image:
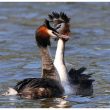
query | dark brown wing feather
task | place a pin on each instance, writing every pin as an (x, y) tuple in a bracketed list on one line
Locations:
[(77, 77), (33, 88)]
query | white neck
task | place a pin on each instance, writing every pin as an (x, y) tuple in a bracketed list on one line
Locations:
[(60, 66)]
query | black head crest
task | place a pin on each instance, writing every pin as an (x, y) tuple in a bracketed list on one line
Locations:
[(64, 17), (47, 24), (56, 15), (60, 16)]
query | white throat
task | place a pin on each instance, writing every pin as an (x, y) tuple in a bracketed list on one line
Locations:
[(60, 66)]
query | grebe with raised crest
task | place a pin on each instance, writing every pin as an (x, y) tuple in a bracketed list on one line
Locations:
[(73, 81)]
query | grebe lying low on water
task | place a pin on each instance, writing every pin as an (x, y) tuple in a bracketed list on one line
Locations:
[(73, 81), (49, 85)]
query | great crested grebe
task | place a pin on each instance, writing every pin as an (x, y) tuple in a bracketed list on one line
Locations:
[(49, 85), (73, 81)]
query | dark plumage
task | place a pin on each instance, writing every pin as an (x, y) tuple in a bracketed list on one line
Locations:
[(33, 88), (59, 16), (77, 77), (82, 81)]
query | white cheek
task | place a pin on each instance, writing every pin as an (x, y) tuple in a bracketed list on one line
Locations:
[(61, 27)]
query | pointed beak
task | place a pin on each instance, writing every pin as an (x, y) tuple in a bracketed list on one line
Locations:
[(65, 37)]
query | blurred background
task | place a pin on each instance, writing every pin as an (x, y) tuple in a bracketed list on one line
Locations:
[(89, 46)]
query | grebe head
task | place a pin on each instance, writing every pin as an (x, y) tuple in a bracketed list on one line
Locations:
[(44, 33), (61, 23)]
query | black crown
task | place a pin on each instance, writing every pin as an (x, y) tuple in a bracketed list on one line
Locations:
[(60, 16)]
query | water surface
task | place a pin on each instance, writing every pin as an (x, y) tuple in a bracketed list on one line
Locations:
[(89, 46)]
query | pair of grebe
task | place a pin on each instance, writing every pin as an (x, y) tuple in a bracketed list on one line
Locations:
[(56, 80)]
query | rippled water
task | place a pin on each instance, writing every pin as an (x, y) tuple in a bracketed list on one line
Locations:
[(89, 46)]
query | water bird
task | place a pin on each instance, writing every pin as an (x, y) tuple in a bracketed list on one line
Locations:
[(49, 84), (73, 81)]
